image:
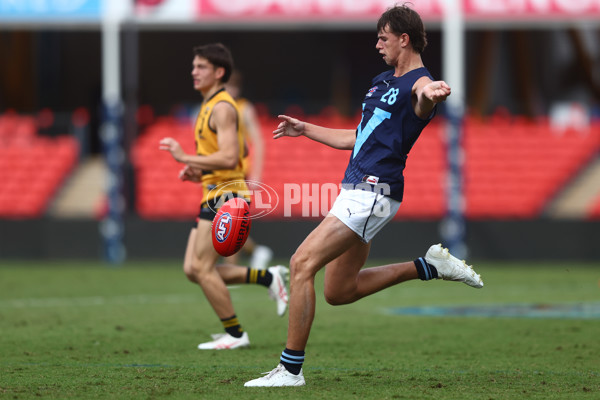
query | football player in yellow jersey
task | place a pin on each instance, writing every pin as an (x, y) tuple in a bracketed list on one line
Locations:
[(217, 164), (260, 255)]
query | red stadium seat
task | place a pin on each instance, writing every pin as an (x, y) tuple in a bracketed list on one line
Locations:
[(32, 167), (522, 166)]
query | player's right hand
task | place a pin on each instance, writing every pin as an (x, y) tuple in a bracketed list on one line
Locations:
[(288, 127), (172, 146)]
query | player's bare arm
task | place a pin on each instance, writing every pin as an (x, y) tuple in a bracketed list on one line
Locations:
[(342, 139), (428, 93), (224, 122)]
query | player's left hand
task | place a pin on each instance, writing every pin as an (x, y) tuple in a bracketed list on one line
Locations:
[(190, 174), (437, 91), (289, 126), (172, 146)]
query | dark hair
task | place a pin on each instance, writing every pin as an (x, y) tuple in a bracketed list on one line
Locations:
[(403, 19), (218, 55)]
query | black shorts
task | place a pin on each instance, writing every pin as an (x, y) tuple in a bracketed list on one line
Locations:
[(208, 210)]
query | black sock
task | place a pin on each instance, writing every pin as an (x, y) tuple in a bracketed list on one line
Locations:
[(292, 360), (259, 276), (233, 327), (425, 270)]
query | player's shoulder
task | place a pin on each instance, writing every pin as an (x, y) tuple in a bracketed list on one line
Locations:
[(421, 79), (420, 73), (224, 111), (223, 102)]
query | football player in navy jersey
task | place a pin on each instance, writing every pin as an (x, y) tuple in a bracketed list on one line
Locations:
[(397, 106)]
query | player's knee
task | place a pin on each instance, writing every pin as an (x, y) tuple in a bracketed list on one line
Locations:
[(300, 267), (191, 277), (334, 301), (189, 273), (337, 298), (295, 264), (198, 272)]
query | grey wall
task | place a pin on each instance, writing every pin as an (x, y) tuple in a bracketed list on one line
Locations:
[(489, 240)]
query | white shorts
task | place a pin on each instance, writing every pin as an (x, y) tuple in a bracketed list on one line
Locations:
[(364, 212)]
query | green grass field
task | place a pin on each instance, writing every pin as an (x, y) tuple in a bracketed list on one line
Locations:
[(85, 330)]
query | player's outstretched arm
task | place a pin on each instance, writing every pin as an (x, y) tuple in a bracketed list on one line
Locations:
[(429, 93), (342, 139)]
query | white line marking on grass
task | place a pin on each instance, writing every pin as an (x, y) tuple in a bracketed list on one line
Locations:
[(43, 302), (98, 301)]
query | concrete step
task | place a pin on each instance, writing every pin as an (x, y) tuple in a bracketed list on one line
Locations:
[(83, 193), (574, 201)]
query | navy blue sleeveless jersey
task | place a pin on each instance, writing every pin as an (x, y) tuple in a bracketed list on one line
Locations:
[(387, 131)]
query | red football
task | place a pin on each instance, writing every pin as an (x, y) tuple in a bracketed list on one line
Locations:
[(231, 227)]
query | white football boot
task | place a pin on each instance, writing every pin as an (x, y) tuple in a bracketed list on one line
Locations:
[(277, 289), (224, 341), (451, 268), (277, 378)]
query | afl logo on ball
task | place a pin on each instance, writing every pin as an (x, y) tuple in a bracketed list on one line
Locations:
[(223, 227)]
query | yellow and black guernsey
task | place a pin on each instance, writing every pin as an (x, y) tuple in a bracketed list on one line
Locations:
[(216, 183)]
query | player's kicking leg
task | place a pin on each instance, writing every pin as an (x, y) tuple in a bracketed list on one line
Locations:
[(324, 244), (346, 282)]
